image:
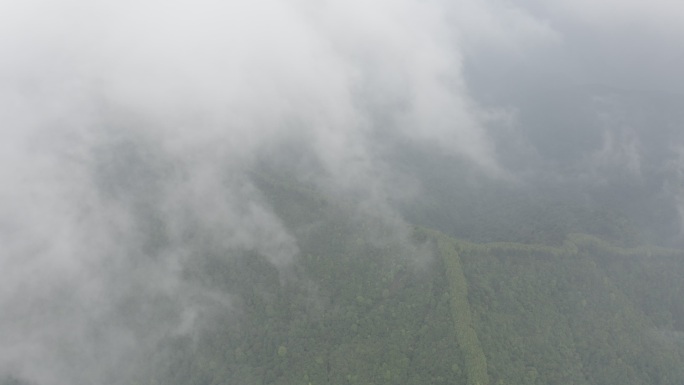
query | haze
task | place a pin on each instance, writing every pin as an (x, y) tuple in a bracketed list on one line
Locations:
[(133, 136)]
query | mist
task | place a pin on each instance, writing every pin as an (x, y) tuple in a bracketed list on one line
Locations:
[(134, 136)]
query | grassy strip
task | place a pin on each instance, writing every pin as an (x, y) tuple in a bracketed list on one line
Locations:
[(475, 361)]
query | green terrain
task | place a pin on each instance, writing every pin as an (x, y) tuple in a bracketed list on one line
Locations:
[(363, 305)]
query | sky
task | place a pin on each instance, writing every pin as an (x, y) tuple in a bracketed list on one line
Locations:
[(128, 131)]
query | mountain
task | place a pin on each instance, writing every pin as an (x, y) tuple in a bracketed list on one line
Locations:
[(358, 308)]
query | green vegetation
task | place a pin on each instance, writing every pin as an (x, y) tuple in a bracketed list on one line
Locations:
[(563, 316), (355, 308), (475, 361)]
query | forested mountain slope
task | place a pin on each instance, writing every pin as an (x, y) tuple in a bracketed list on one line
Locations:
[(586, 313), (357, 308)]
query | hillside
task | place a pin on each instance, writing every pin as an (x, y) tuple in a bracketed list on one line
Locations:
[(431, 309)]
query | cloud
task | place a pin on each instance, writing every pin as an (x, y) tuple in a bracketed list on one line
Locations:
[(621, 151), (130, 128), (662, 16)]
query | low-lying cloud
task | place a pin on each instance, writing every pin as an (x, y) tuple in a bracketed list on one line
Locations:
[(130, 128), (129, 131)]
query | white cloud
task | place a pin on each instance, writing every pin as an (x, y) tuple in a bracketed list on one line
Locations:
[(197, 90)]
